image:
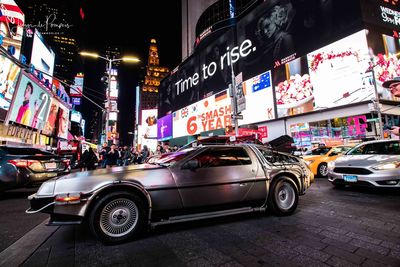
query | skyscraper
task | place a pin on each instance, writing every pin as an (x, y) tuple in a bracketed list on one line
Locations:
[(154, 74)]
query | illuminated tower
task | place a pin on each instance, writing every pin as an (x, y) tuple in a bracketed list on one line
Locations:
[(154, 74)]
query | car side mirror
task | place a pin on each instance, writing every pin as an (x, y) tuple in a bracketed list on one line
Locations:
[(191, 164)]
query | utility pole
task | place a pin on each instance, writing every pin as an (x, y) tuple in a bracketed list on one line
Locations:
[(377, 102)]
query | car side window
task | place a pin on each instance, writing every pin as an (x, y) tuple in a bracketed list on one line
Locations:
[(275, 157), (219, 157)]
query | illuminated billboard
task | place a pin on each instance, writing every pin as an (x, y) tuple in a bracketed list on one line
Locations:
[(76, 90), (259, 99), (164, 127), (31, 103), (42, 56), (63, 122), (52, 118), (149, 123), (9, 73), (211, 113), (11, 27)]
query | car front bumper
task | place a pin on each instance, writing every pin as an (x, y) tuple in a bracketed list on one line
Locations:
[(386, 179), (60, 214)]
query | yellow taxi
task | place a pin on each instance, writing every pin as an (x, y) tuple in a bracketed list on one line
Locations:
[(318, 158)]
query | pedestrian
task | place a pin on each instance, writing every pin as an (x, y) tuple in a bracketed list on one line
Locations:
[(111, 157), (103, 154), (394, 87), (126, 156), (144, 154), (88, 160)]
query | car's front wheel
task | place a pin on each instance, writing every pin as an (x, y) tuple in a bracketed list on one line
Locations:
[(118, 217), (283, 197), (323, 169)]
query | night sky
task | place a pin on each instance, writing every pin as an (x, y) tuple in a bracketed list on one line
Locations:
[(130, 29)]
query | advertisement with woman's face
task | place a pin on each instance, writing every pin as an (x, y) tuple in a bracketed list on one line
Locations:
[(63, 121), (50, 125), (31, 103)]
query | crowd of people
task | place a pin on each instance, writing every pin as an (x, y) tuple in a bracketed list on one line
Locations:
[(110, 156)]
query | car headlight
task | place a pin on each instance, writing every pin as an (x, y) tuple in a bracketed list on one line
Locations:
[(387, 166), (47, 188), (331, 165)]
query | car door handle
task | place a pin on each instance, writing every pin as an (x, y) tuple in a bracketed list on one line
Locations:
[(242, 184)]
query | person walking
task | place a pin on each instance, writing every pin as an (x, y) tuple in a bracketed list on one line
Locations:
[(88, 160)]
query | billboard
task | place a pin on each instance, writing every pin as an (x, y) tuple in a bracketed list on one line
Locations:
[(52, 118), (63, 122), (9, 73), (42, 56), (259, 99), (76, 116), (164, 128), (271, 35), (339, 70), (211, 113), (31, 103), (11, 26), (149, 123), (77, 89)]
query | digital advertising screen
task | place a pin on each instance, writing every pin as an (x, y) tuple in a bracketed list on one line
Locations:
[(76, 90), (42, 56), (259, 99), (340, 71), (149, 123), (31, 103), (9, 73), (50, 125), (63, 122), (164, 127), (385, 53), (211, 113), (12, 26), (76, 116)]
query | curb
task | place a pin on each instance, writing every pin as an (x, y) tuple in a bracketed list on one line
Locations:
[(23, 248)]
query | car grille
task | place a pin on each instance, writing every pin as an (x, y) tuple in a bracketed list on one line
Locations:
[(351, 170)]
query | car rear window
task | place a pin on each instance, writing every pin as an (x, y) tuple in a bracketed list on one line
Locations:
[(24, 151)]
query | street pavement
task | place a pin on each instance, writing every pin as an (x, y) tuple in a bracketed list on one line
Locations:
[(331, 227)]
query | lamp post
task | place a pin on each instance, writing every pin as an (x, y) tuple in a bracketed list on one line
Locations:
[(109, 62)]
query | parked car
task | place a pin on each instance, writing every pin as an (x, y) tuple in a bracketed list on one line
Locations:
[(372, 163), (27, 166), (318, 158), (194, 183)]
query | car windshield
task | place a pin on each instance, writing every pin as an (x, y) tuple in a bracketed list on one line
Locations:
[(319, 151), (173, 157), (378, 148), (24, 151)]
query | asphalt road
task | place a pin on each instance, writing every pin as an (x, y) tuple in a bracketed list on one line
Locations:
[(14, 222), (331, 227)]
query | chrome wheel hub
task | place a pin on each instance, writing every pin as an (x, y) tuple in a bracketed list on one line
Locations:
[(119, 217), (286, 196)]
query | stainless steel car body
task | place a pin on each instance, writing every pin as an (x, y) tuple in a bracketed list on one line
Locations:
[(366, 169), (175, 190)]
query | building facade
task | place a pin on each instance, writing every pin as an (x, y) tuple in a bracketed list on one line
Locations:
[(303, 69)]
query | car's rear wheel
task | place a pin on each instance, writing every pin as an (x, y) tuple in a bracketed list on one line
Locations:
[(283, 197), (323, 169), (118, 217)]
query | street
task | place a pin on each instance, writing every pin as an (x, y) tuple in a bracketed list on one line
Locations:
[(332, 227)]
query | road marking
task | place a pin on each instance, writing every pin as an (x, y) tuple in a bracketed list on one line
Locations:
[(23, 248)]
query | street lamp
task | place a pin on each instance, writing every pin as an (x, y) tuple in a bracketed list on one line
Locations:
[(110, 61)]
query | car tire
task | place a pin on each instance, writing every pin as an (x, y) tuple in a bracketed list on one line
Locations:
[(322, 170), (283, 197), (118, 217)]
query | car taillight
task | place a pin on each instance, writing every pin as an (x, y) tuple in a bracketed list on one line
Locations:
[(23, 163), (66, 162)]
